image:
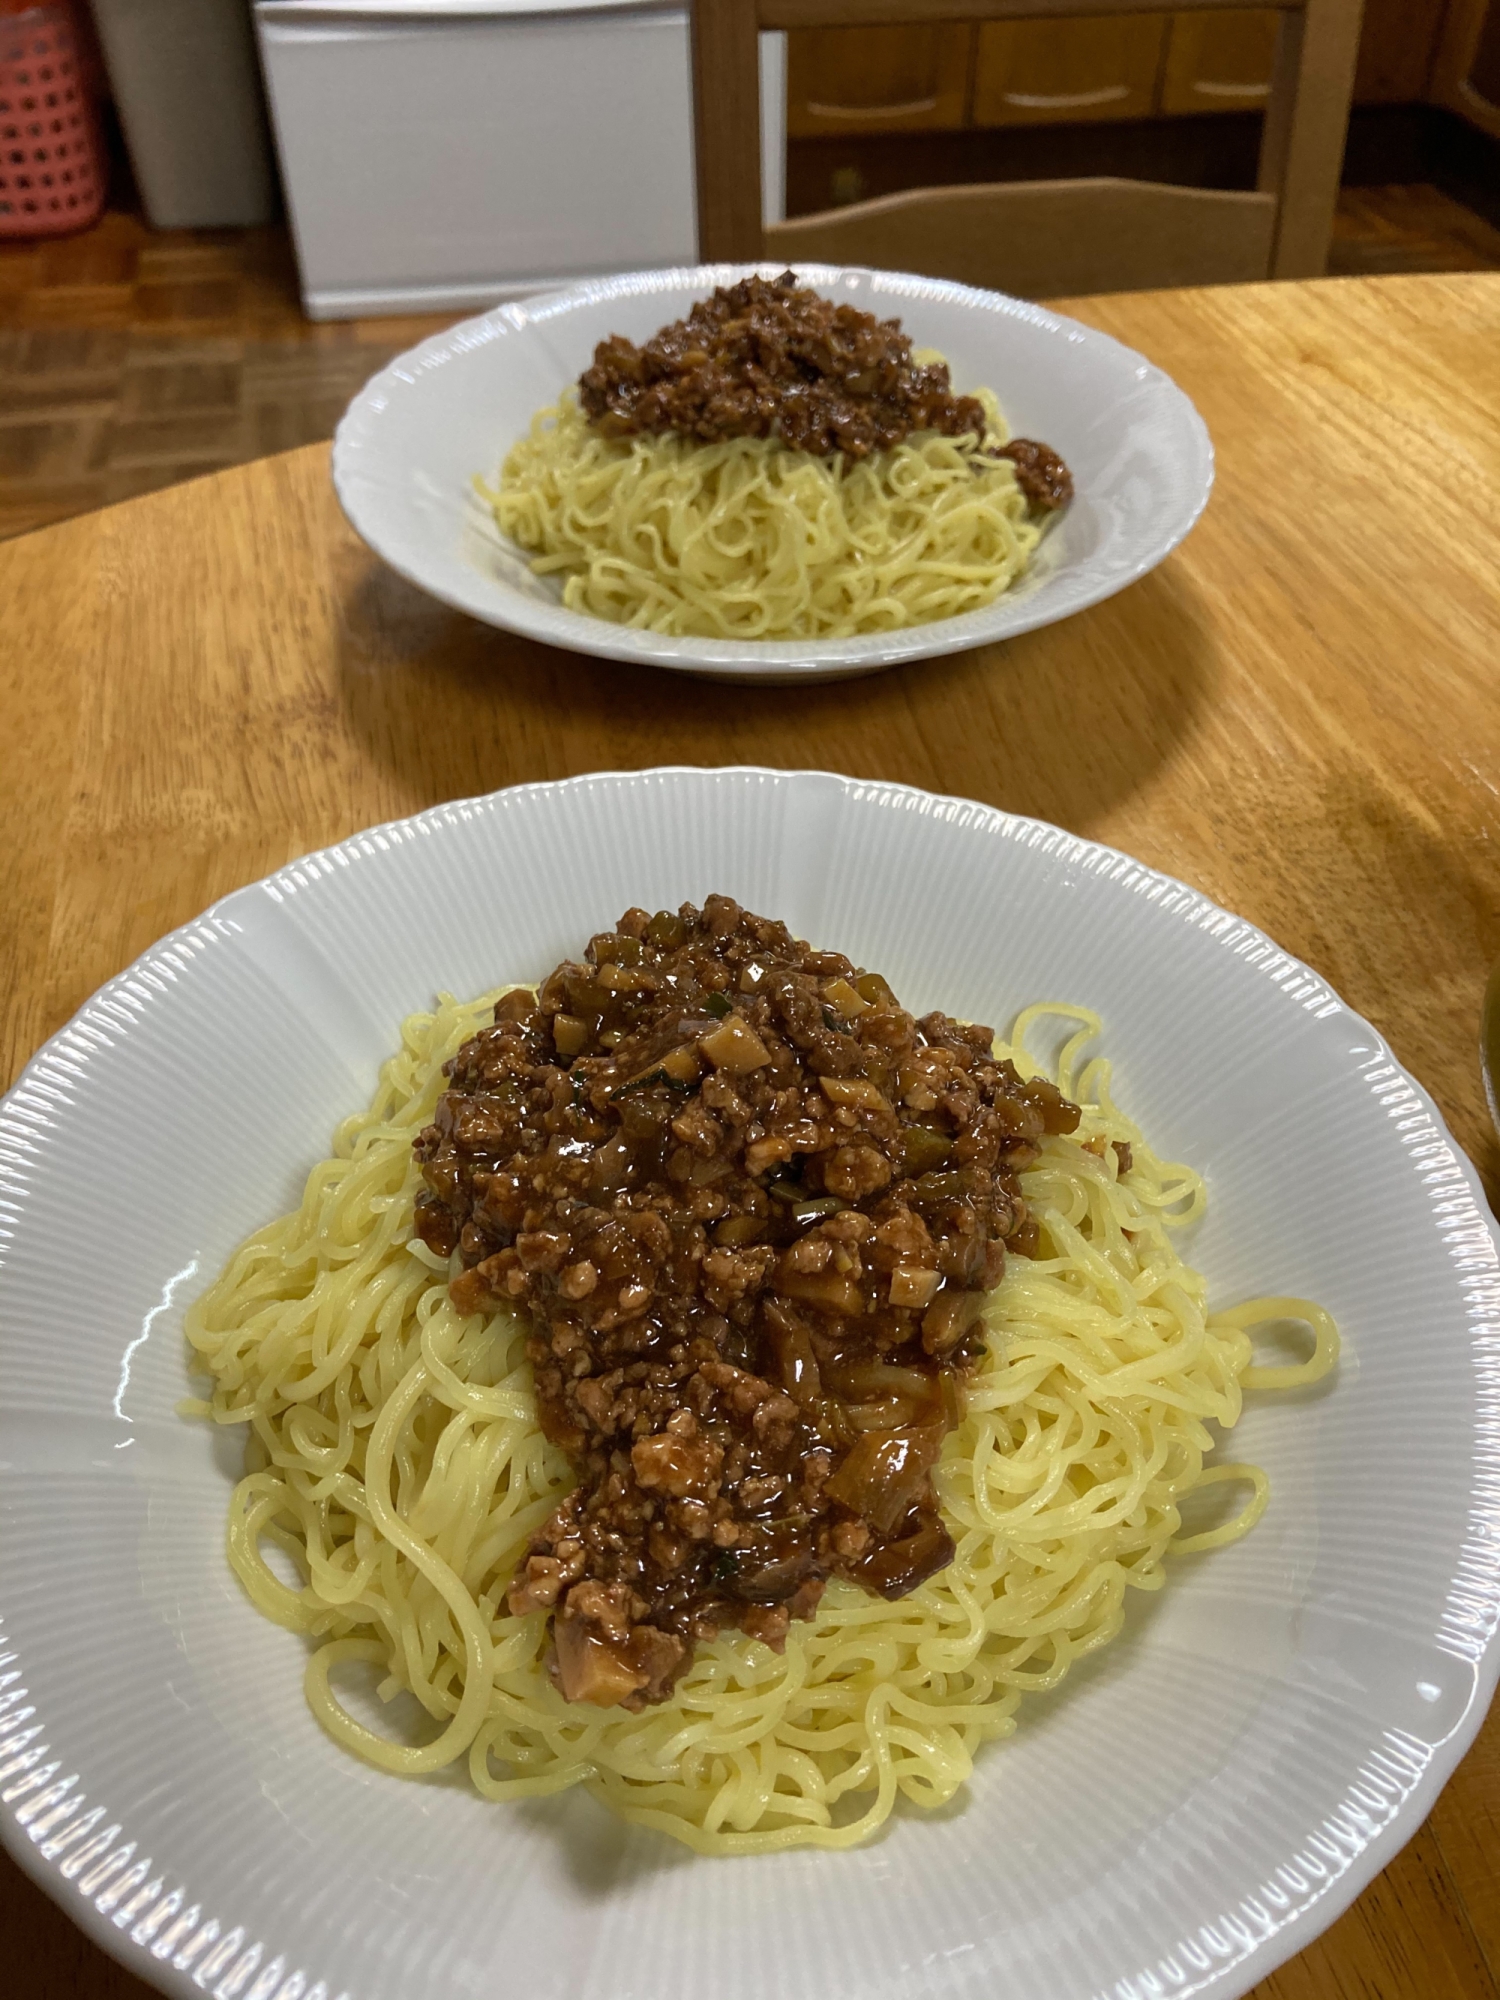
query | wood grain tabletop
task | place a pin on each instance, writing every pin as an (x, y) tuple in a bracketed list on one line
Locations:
[(1298, 713)]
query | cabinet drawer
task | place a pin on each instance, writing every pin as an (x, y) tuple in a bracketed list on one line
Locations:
[(1061, 72), (910, 79), (1219, 62)]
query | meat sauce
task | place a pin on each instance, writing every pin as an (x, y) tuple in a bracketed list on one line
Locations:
[(753, 1207), (768, 357)]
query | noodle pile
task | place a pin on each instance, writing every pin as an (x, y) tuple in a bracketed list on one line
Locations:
[(395, 1458), (745, 539)]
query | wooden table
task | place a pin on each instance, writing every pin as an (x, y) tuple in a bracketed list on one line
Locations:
[(1299, 713)]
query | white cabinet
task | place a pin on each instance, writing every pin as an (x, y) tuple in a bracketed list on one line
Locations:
[(443, 156)]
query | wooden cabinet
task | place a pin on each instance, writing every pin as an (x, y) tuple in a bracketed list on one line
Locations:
[(1057, 72), (1219, 62), (1466, 73), (909, 79), (939, 78)]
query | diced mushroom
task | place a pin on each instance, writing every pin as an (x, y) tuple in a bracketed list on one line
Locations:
[(913, 1286), (735, 1046), (591, 1667), (739, 1230), (830, 1291), (885, 1474), (949, 1318), (839, 993), (855, 1090), (570, 1034), (899, 1567), (1058, 1115)]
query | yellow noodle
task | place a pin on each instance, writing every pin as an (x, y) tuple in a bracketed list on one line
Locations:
[(746, 539), (394, 1456), (1325, 1341)]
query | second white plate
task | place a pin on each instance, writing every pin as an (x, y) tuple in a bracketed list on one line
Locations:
[(409, 446)]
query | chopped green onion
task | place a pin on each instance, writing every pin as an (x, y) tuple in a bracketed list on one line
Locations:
[(814, 1211), (666, 929), (924, 1147), (649, 1080)]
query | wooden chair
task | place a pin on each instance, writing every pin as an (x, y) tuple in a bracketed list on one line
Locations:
[(1036, 238)]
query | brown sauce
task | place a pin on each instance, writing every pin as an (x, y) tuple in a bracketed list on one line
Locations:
[(753, 1207), (1040, 474), (769, 358)]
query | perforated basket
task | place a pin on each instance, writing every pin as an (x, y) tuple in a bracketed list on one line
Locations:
[(51, 165)]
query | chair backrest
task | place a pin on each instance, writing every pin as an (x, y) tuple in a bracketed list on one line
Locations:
[(1037, 237)]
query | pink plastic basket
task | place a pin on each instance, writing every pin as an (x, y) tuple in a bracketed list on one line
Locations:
[(51, 167)]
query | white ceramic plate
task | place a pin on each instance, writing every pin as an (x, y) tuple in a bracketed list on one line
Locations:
[(1193, 1805), (409, 445)]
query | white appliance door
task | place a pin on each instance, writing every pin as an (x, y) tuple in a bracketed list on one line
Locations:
[(436, 159)]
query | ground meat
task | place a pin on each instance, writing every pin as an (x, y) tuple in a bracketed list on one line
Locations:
[(771, 358), (753, 1207), (1040, 473)]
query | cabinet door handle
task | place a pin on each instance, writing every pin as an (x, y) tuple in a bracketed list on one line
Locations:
[(911, 110), (1070, 101), (1232, 89)]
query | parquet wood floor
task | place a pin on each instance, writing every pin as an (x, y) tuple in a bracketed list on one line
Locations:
[(1379, 231), (130, 360)]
